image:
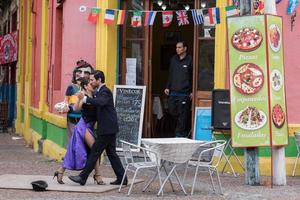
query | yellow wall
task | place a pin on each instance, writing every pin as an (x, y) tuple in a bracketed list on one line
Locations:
[(106, 45), (220, 48)]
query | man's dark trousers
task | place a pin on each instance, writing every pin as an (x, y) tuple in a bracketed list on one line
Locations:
[(108, 143), (180, 109)]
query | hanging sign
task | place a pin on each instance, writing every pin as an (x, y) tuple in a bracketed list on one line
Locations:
[(257, 81), (9, 48)]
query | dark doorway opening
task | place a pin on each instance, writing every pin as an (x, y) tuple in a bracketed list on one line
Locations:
[(163, 47)]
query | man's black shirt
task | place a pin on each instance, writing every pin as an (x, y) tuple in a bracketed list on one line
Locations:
[(180, 74)]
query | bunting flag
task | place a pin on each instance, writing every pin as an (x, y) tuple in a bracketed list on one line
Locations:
[(94, 14), (136, 20), (121, 17), (258, 7), (231, 11), (214, 16), (292, 6), (167, 17), (198, 17), (182, 17), (109, 17), (150, 17)]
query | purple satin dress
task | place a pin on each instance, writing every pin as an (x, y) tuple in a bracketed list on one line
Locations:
[(76, 155)]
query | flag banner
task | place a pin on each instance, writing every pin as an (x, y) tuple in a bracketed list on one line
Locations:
[(258, 7), (292, 6), (136, 20), (198, 17), (167, 17), (214, 16), (150, 17), (231, 11), (94, 14), (109, 17), (182, 17), (236, 4), (121, 17)]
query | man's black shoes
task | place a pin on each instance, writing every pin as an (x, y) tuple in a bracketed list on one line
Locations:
[(118, 182), (77, 179)]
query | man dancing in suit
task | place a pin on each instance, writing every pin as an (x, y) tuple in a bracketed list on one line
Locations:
[(107, 129)]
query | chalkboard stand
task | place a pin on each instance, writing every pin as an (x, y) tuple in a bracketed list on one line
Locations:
[(129, 103)]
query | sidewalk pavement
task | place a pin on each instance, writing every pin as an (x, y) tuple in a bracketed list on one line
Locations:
[(16, 158)]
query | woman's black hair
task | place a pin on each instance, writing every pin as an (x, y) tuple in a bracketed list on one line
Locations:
[(83, 82), (74, 81)]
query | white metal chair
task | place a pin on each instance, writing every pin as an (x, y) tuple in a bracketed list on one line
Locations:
[(297, 140), (133, 166), (215, 148)]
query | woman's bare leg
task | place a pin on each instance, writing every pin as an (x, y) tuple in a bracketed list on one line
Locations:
[(89, 139)]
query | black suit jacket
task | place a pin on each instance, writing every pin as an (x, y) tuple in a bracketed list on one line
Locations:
[(107, 121)]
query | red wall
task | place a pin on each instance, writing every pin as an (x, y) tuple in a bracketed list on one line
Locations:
[(292, 62), (78, 41)]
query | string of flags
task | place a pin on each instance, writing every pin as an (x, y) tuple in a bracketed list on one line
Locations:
[(147, 18)]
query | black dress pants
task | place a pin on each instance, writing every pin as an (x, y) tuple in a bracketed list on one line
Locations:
[(180, 109), (108, 143)]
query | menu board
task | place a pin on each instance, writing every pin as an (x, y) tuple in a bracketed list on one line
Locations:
[(279, 127), (130, 104), (256, 81), (248, 84)]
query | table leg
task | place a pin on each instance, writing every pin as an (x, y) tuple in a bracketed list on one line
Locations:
[(167, 178), (177, 177), (155, 175)]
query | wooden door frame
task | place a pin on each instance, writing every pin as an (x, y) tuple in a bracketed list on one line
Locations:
[(147, 72)]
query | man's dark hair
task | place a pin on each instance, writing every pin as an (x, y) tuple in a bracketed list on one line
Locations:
[(184, 44), (99, 74)]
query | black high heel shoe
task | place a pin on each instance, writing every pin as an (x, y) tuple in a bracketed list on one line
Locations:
[(99, 182), (59, 177)]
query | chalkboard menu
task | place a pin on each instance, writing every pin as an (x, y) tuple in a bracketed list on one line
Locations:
[(129, 103)]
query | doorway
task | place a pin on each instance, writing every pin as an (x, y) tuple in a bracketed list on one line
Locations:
[(152, 48), (163, 47)]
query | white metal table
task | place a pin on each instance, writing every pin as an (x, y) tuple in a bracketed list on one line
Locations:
[(173, 150)]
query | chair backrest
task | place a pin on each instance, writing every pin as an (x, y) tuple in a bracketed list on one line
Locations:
[(216, 148), (148, 153), (127, 152), (297, 140)]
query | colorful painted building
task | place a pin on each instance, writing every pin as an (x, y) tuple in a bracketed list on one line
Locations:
[(54, 34), (8, 61)]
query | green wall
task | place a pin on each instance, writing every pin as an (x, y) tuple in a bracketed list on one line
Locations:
[(48, 131), (290, 150)]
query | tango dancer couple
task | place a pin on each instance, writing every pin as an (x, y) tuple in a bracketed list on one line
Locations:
[(96, 106)]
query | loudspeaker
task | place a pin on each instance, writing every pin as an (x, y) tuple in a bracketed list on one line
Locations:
[(220, 109)]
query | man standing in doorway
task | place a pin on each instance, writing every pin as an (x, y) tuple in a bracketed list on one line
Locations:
[(179, 89)]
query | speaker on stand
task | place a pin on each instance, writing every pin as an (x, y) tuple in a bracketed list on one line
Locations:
[(220, 109)]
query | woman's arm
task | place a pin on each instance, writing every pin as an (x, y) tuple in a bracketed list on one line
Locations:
[(78, 105)]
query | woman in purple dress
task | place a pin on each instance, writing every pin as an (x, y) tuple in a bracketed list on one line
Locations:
[(82, 139)]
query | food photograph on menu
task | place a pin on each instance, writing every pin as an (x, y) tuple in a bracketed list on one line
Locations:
[(278, 116), (246, 39), (248, 78), (274, 37), (250, 118), (276, 79)]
